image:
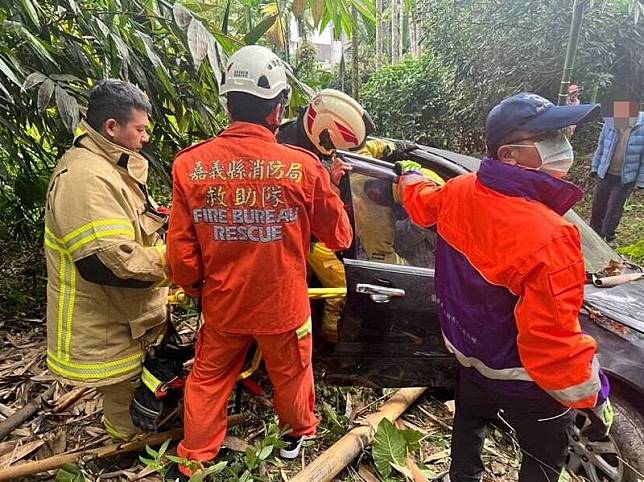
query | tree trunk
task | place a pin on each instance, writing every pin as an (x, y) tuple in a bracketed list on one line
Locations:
[(355, 72), (401, 22), (578, 8), (395, 31), (379, 33)]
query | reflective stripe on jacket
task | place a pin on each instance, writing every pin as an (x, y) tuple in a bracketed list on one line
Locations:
[(510, 280), (97, 205), (243, 211)]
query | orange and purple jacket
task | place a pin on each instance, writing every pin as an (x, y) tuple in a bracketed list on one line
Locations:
[(510, 280), (243, 211)]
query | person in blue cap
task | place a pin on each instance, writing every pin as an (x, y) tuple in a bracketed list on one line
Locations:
[(509, 287)]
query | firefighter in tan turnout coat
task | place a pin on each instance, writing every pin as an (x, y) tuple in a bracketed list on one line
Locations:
[(105, 257)]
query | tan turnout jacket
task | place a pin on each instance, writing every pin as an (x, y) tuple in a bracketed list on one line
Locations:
[(97, 203)]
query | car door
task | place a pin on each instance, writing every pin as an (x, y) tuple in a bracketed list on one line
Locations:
[(389, 334)]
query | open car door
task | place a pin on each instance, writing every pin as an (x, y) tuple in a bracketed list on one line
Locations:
[(389, 334)]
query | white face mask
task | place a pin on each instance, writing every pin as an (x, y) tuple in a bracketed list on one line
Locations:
[(556, 155)]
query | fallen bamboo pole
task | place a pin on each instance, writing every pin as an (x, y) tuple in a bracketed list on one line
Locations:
[(104, 452), (339, 455), (25, 412)]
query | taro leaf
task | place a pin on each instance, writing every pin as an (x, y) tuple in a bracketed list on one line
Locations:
[(412, 437), (389, 447), (182, 15), (6, 70), (69, 473), (197, 41), (44, 94), (68, 108)]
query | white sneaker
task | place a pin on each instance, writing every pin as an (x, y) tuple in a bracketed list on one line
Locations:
[(292, 448)]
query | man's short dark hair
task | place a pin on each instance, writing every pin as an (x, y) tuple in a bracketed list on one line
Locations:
[(246, 107), (114, 99)]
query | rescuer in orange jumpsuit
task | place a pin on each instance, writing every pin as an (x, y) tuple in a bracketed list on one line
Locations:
[(243, 213)]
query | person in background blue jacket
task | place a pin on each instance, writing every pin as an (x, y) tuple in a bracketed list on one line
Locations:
[(618, 164)]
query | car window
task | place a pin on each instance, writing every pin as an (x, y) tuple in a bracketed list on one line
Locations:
[(384, 233)]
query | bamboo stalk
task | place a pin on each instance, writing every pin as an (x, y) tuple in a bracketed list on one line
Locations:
[(331, 462), (51, 463)]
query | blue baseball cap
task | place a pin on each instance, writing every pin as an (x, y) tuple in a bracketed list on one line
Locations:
[(531, 112)]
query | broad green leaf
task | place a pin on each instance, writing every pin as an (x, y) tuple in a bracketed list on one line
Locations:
[(260, 29), (198, 476), (148, 449), (44, 94), (265, 452), (121, 46), (412, 437), (69, 473), (68, 108), (389, 447), (217, 468), (164, 447), (6, 70), (197, 42), (182, 15)]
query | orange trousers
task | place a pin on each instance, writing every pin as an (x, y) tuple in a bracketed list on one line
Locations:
[(219, 360)]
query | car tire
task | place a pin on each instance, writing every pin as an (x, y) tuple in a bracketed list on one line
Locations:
[(628, 432)]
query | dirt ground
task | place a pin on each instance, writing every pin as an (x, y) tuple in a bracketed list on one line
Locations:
[(71, 421)]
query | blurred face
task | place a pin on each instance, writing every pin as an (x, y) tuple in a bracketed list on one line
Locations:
[(132, 135), (548, 151), (625, 113)]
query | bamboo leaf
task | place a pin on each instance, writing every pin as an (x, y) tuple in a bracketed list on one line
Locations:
[(260, 29), (105, 30), (197, 42), (44, 94), (213, 59), (121, 46), (6, 93), (30, 9), (65, 78), (6, 70), (182, 15), (68, 108), (224, 23)]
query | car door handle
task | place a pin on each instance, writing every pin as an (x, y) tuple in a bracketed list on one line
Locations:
[(379, 294)]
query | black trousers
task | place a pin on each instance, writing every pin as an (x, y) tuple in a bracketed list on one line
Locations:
[(608, 205), (540, 427)]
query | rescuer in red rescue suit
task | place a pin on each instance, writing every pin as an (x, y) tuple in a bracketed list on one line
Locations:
[(243, 212), (509, 286)]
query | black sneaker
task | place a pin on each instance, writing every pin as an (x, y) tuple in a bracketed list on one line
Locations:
[(292, 448)]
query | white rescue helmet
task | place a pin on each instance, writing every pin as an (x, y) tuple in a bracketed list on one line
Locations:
[(334, 120), (257, 71)]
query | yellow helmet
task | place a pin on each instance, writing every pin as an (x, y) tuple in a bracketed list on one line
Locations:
[(334, 120)]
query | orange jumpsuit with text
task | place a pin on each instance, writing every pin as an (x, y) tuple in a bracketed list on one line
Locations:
[(243, 212)]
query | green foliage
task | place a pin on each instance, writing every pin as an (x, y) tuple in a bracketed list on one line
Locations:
[(634, 251), (412, 100), (391, 447), (69, 472), (496, 49)]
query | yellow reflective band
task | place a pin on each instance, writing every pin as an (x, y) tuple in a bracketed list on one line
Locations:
[(88, 233), (84, 371), (93, 225), (112, 431), (304, 330), (150, 381)]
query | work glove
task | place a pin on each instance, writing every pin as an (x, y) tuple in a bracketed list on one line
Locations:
[(601, 418), (407, 167), (400, 151)]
